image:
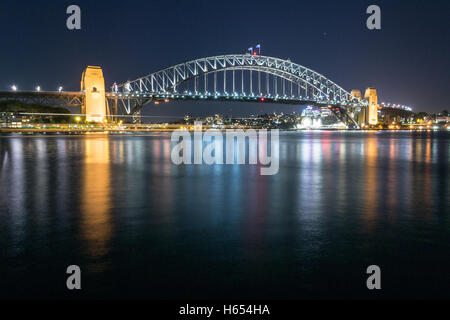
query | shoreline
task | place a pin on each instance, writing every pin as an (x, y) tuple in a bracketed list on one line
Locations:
[(7, 131)]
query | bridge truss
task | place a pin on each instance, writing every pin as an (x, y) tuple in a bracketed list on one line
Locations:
[(237, 77)]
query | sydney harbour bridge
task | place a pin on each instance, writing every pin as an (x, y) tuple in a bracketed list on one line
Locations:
[(230, 78)]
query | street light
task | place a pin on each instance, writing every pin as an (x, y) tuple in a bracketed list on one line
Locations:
[(38, 88), (60, 89), (13, 87)]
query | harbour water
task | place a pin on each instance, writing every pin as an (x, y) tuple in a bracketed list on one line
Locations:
[(141, 227)]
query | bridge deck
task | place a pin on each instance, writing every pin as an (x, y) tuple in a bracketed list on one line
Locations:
[(40, 94), (52, 98)]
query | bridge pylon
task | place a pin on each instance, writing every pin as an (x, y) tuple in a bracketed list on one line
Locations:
[(371, 96), (93, 85), (366, 114)]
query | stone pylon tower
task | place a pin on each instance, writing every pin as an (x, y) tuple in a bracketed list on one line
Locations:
[(371, 96), (358, 113), (93, 85)]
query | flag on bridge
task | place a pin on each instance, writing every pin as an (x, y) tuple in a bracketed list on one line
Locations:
[(250, 49), (258, 46)]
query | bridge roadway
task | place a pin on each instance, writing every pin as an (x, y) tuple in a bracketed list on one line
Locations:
[(48, 98), (230, 98), (141, 99), (75, 98)]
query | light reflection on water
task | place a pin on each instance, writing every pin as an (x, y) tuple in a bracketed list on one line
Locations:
[(96, 199), (132, 220)]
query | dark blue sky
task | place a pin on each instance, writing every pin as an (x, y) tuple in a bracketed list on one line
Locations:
[(407, 61)]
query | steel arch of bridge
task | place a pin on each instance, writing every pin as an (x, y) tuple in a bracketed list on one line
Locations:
[(164, 83)]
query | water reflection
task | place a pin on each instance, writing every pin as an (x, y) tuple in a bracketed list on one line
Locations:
[(370, 179), (96, 199), (117, 205)]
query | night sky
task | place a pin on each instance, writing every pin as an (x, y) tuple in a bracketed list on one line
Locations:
[(407, 61)]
